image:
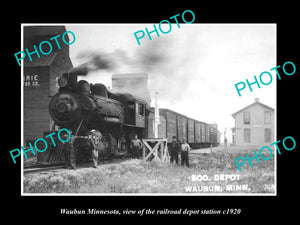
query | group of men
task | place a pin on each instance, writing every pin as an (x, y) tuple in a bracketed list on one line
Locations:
[(183, 148), (94, 138), (135, 147), (175, 148)]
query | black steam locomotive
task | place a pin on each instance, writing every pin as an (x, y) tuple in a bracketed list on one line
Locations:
[(80, 107)]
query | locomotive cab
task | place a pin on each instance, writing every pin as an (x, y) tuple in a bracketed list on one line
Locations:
[(140, 108), (135, 108)]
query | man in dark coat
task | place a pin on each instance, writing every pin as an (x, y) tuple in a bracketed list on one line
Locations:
[(69, 151), (185, 148), (174, 150), (136, 145)]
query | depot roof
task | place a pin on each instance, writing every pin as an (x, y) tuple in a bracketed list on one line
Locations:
[(256, 102)]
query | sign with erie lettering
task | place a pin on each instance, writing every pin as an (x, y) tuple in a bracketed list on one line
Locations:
[(31, 81)]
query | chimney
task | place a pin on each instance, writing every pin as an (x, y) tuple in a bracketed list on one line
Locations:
[(256, 99)]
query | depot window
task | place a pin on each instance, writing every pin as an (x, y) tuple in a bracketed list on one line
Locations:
[(267, 117), (246, 117), (247, 135)]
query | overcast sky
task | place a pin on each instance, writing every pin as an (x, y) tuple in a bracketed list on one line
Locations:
[(194, 68)]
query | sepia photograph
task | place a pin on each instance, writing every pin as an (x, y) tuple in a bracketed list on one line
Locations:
[(149, 109)]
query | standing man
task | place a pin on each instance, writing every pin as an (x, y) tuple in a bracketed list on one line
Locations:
[(95, 138), (225, 142), (174, 150), (185, 148), (69, 151), (136, 145)]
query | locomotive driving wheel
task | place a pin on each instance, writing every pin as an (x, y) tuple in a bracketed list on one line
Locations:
[(122, 146), (110, 144)]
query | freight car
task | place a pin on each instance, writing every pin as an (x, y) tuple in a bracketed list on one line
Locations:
[(198, 134)]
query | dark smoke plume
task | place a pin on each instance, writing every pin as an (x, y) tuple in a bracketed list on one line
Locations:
[(152, 57), (94, 61)]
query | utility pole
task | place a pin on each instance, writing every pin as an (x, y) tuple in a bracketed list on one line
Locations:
[(156, 117)]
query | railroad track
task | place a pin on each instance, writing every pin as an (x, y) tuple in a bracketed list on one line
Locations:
[(40, 168)]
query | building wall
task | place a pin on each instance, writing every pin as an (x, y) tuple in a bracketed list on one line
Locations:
[(37, 95), (257, 126), (36, 92)]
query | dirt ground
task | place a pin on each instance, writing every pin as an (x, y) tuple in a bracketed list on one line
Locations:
[(210, 173)]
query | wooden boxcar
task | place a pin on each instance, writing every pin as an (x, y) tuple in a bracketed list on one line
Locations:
[(198, 134)]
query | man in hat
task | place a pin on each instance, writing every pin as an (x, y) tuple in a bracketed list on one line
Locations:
[(185, 148), (174, 150), (95, 138)]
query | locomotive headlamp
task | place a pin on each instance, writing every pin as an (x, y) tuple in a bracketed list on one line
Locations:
[(62, 81)]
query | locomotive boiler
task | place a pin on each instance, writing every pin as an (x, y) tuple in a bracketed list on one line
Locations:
[(80, 107)]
